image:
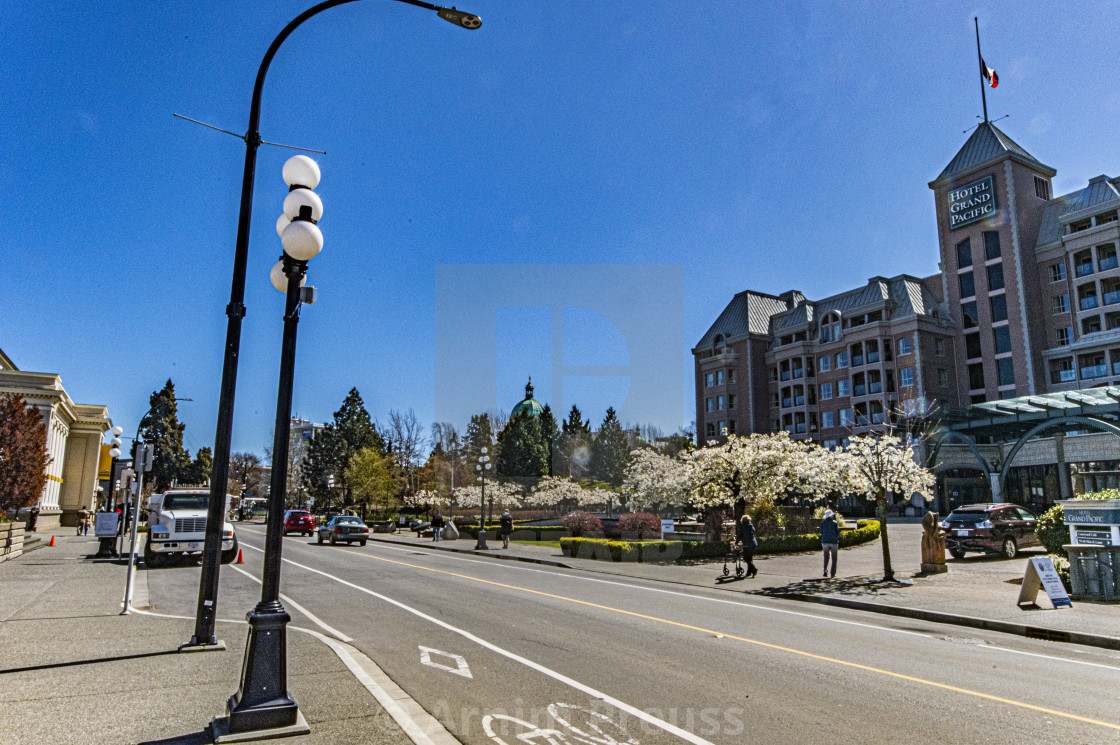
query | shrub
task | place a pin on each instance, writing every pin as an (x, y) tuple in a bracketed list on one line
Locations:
[(767, 518), (582, 523), (1052, 530), (1061, 566), (640, 524)]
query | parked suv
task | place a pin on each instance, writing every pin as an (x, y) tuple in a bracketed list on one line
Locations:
[(298, 521), (991, 528)]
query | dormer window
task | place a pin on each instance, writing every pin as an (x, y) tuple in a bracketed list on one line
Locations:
[(830, 327)]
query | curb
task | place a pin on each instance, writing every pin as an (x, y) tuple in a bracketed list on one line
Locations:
[(504, 557), (1006, 627)]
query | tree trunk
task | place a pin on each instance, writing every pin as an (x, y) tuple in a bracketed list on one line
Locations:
[(881, 502)]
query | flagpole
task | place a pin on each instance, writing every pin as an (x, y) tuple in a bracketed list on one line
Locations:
[(980, 61)]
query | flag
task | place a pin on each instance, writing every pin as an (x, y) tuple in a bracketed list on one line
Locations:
[(989, 74)]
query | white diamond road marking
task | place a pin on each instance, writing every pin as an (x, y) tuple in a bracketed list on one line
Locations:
[(461, 664)]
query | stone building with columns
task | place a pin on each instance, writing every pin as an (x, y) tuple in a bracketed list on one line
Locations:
[(74, 436)]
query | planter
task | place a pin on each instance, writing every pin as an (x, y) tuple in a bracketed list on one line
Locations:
[(11, 540)]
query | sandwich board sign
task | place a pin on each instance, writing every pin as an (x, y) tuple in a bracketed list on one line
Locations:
[(1041, 575), (105, 525)]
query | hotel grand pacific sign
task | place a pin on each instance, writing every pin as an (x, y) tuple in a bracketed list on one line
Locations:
[(972, 202)]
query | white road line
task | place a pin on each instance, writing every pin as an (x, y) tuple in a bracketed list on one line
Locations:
[(288, 601), (633, 711), (1049, 657), (738, 603)]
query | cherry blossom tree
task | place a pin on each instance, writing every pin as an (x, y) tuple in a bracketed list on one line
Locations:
[(653, 478), (875, 465), (554, 490)]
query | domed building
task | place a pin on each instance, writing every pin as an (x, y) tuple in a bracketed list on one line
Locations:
[(528, 405)]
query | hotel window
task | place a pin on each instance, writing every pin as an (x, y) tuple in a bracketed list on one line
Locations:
[(1061, 371), (1090, 325), (1002, 337), (1060, 303), (843, 388), (711, 429), (1106, 257), (969, 316), (939, 347), (999, 308), (906, 377), (709, 404), (824, 363), (991, 245), (828, 420), (1064, 336), (826, 391), (841, 360), (972, 348), (731, 401), (1005, 369), (995, 277), (942, 377), (1041, 188), (773, 400), (964, 254), (847, 417), (968, 284), (731, 426), (773, 373), (723, 428), (976, 376), (904, 346), (731, 375), (719, 378), (978, 399), (721, 403), (1057, 272), (709, 380)]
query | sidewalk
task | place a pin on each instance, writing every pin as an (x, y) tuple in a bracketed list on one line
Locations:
[(73, 670), (977, 591)]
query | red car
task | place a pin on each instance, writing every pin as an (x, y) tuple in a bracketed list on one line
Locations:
[(298, 521)]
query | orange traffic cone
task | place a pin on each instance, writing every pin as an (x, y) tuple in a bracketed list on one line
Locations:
[(240, 557), (52, 541)]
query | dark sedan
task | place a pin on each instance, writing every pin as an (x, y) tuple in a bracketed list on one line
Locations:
[(344, 529), (999, 528)]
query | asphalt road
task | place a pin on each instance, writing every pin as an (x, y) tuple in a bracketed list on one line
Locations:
[(504, 653)]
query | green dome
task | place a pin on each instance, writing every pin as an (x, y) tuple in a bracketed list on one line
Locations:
[(530, 405)]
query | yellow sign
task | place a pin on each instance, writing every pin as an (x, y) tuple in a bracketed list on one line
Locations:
[(104, 463)]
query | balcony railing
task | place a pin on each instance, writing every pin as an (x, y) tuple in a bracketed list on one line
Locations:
[(785, 375), (1112, 297), (872, 357), (1116, 368), (861, 390), (1062, 376), (878, 418), (787, 402), (874, 387), (798, 400), (798, 373), (862, 421), (1095, 371), (1108, 263), (1083, 270), (857, 360), (1088, 303), (801, 428)]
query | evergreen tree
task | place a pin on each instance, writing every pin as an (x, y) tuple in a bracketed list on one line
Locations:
[(479, 435), (161, 427), (521, 451), (198, 472), (573, 448), (610, 452), (330, 451), (23, 453), (550, 433)]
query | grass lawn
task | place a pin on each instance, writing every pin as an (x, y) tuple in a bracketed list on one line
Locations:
[(550, 544)]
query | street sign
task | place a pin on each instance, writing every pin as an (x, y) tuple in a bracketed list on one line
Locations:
[(1041, 575), (667, 526), (106, 524)]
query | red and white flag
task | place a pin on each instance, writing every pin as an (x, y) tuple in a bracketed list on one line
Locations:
[(989, 74)]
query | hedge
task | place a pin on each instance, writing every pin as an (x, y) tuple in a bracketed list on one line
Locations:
[(668, 551), (520, 533)]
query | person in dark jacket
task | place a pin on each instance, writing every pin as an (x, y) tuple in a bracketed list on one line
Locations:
[(506, 522), (830, 541), (437, 525), (744, 534)]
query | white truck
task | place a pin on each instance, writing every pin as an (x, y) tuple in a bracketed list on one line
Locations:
[(177, 525)]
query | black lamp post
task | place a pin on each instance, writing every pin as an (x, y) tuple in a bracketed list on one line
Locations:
[(263, 701), (482, 467), (235, 311)]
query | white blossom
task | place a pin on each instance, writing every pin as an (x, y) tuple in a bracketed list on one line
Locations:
[(653, 478), (756, 469)]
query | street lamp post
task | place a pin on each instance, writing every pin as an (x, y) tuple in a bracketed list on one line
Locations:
[(263, 702), (105, 545), (482, 467), (207, 607)]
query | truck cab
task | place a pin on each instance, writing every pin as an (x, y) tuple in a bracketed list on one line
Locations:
[(177, 525)]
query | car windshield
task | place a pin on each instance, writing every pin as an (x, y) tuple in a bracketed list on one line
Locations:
[(186, 501), (349, 520), (967, 517)]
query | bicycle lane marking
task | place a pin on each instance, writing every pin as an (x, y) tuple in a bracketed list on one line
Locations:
[(560, 677), (700, 629)]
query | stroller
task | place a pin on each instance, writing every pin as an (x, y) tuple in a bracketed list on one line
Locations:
[(734, 558)]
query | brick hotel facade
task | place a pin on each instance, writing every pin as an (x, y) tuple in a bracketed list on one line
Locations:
[(1027, 302)]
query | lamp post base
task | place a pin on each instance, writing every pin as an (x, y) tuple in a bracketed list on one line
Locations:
[(219, 730), (481, 545), (263, 701)]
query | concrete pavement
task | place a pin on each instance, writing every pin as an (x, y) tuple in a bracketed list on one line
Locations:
[(977, 592)]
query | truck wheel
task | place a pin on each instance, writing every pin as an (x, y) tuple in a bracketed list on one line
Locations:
[(228, 557), (151, 558)]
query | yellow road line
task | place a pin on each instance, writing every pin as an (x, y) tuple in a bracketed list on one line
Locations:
[(701, 629)]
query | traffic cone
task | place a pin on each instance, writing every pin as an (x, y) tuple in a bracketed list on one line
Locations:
[(240, 556), (52, 541)]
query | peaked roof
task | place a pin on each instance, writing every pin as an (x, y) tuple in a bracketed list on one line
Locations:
[(748, 313), (1101, 193), (905, 297), (986, 142)]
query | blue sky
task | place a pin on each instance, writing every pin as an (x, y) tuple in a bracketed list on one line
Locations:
[(742, 145)]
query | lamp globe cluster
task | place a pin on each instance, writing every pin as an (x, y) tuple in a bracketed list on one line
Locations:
[(297, 226)]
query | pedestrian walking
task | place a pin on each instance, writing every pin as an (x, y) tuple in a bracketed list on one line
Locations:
[(437, 525), (830, 541), (32, 518), (745, 535), (506, 523), (81, 521), (87, 521)]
